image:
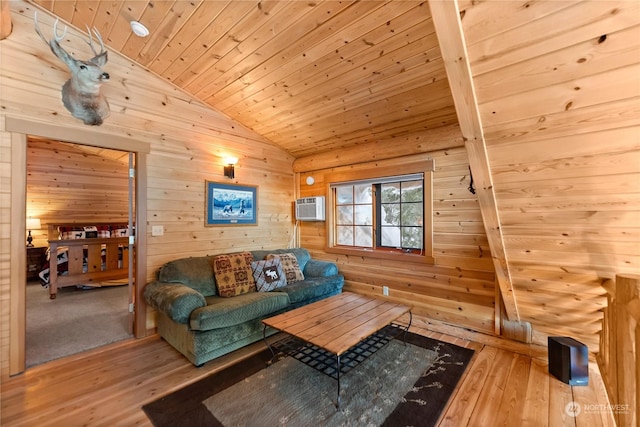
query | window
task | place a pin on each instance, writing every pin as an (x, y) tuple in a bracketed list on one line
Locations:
[(386, 216), (399, 208), (354, 215)]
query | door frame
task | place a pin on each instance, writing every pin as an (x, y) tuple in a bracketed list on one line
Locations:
[(20, 128)]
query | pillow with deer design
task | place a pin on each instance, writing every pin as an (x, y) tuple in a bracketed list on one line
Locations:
[(268, 274), (290, 266)]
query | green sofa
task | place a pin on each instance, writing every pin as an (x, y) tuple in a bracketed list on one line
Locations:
[(201, 325)]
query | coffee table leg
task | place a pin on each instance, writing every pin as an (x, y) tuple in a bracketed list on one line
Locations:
[(338, 378), (408, 326), (264, 338)]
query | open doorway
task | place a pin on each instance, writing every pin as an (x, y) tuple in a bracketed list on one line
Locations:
[(18, 129), (86, 189)]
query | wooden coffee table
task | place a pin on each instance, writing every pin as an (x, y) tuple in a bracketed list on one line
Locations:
[(338, 323)]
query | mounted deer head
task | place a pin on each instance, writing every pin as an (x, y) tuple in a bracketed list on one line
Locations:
[(81, 93)]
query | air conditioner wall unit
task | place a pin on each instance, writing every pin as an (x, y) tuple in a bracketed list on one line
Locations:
[(310, 209)]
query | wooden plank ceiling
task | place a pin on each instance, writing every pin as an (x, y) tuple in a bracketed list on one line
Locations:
[(118, 156), (311, 76)]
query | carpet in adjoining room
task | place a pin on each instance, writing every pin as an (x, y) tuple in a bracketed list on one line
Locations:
[(397, 385), (76, 321)]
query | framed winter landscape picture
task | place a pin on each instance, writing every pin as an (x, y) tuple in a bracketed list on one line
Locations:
[(231, 204)]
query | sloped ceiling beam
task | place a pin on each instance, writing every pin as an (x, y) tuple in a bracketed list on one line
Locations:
[(446, 20)]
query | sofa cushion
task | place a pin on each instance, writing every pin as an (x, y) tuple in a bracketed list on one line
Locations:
[(268, 274), (290, 266), (317, 268), (195, 272), (233, 274), (302, 255), (224, 312), (313, 288)]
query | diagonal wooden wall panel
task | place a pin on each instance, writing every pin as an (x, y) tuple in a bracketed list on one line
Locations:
[(446, 19)]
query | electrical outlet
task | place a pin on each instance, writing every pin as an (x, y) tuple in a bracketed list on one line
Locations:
[(385, 291), (157, 230)]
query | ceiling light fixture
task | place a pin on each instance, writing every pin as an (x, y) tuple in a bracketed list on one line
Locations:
[(139, 29)]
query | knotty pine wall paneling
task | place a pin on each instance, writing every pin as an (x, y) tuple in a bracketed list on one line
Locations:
[(460, 287), (187, 143), (559, 95)]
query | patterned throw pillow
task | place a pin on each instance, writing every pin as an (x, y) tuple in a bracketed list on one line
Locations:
[(290, 266), (71, 232), (268, 274), (103, 231), (233, 274), (120, 230)]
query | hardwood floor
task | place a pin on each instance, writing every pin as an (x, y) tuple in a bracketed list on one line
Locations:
[(506, 384)]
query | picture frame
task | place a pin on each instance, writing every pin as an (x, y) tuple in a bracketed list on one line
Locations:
[(230, 204)]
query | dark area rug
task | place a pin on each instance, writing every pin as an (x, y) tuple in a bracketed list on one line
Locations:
[(396, 384)]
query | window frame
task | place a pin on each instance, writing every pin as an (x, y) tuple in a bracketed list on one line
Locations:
[(380, 204), (373, 171)]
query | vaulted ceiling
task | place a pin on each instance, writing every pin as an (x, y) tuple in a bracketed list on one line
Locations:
[(311, 76)]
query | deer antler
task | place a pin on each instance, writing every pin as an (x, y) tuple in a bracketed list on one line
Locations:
[(90, 42), (60, 37), (56, 36)]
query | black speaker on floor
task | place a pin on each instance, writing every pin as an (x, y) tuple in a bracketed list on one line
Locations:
[(568, 360)]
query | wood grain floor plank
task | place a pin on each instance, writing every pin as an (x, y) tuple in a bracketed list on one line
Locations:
[(593, 413), (601, 395), (512, 404), (486, 410), (560, 396), (461, 409), (536, 407)]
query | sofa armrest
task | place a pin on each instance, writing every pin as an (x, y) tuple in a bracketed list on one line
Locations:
[(173, 299), (317, 268)]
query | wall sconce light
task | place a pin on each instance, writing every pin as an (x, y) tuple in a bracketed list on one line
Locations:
[(32, 224), (310, 180), (229, 170)]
